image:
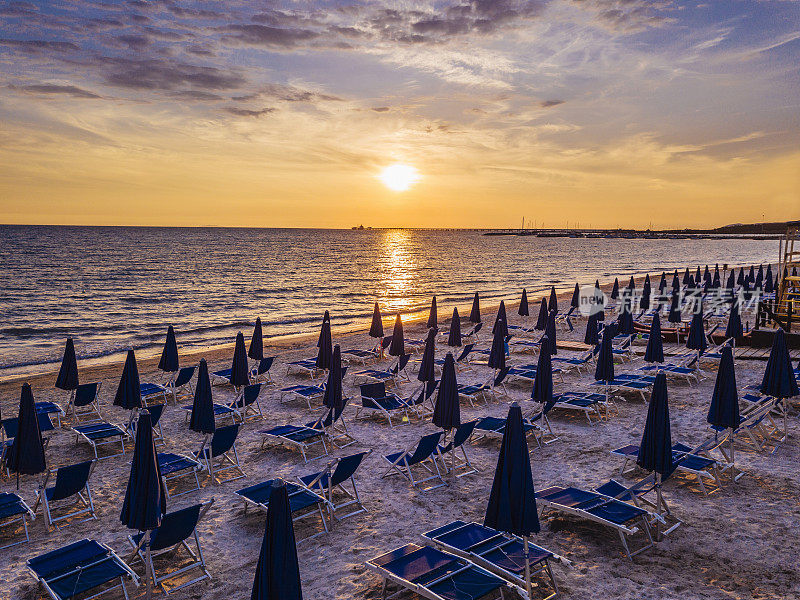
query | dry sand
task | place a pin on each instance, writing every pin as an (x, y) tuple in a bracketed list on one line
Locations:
[(741, 542)]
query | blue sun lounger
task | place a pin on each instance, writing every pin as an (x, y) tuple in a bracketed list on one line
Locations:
[(261, 372), (14, 511), (626, 382), (303, 502), (330, 484), (222, 449), (567, 364), (461, 360), (591, 404), (50, 409), (362, 357), (72, 484), (80, 568), (306, 392), (151, 392), (374, 398), (423, 454), (305, 437), (391, 374), (454, 462), (434, 574), (306, 366), (484, 390), (101, 434), (494, 427), (83, 404), (175, 467), (500, 553)]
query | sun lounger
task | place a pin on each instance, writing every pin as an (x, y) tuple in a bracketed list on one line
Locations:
[(591, 404), (80, 568), (569, 364), (423, 455), (50, 409), (220, 455), (306, 366), (83, 404), (101, 434), (625, 383), (308, 393), (494, 427), (175, 467), (461, 361), (151, 392), (181, 385), (355, 355), (14, 511), (72, 484), (305, 437), (246, 404), (391, 374), (458, 462), (337, 484), (261, 372), (484, 391), (374, 398), (303, 502)]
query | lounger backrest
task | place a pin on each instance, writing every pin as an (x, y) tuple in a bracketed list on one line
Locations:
[(465, 351), (184, 376), (347, 467), (477, 328), (427, 445), (250, 394), (223, 439), (265, 364), (344, 372), (373, 390), (175, 527), (463, 432), (402, 362), (501, 376), (86, 393), (11, 425), (71, 479), (386, 342)]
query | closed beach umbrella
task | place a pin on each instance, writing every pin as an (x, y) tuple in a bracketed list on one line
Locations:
[(697, 335), (625, 321), (631, 284), (759, 282), (543, 382), (326, 318), (427, 364), (497, 355), (707, 275), (26, 454), (169, 355), (734, 328), (575, 302), (398, 345), (239, 368), (512, 501), (553, 302), (333, 398), (654, 353), (523, 304), (615, 289), (663, 282), (550, 331), (68, 373), (740, 279), (716, 283), (731, 281), (501, 320), (129, 395), (475, 313), (768, 285), (278, 570), (655, 451), (724, 409), (433, 317), (674, 315), (687, 276), (698, 274), (591, 336), (256, 349), (202, 418), (751, 276), (325, 351), (376, 328), (644, 301), (541, 320), (676, 282), (779, 380), (598, 293), (447, 411), (604, 370), (454, 337)]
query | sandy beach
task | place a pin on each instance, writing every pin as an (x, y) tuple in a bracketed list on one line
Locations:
[(737, 543)]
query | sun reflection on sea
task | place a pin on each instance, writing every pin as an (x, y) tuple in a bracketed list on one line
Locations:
[(398, 272)]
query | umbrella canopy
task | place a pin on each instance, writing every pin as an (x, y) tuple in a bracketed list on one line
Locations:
[(575, 302), (543, 383), (759, 282), (376, 329), (332, 397), (447, 412), (716, 282), (734, 327), (740, 279), (552, 304), (325, 351), (707, 275), (145, 497), (604, 371), (676, 282), (169, 355), (687, 276), (398, 345), (512, 502), (697, 335), (674, 315), (731, 281), (475, 313), (68, 373), (768, 283), (454, 337), (631, 284), (26, 455), (523, 305), (202, 419), (427, 364), (278, 570), (256, 349), (655, 451), (644, 301), (698, 274), (724, 409), (615, 289), (662, 282), (550, 331), (591, 336), (326, 318), (625, 320), (752, 274), (541, 320), (433, 317), (129, 394), (779, 380), (501, 319), (497, 356), (598, 293), (239, 368), (654, 353)]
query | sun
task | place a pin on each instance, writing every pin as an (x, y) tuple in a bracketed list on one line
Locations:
[(399, 177)]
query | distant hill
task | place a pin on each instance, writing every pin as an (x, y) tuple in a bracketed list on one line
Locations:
[(745, 228)]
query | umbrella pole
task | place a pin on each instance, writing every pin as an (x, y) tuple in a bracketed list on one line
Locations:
[(453, 459), (527, 567), (148, 590)]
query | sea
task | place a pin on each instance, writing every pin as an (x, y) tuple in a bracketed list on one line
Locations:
[(115, 288)]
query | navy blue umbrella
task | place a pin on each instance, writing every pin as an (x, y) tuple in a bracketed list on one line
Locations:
[(475, 313), (615, 289), (433, 317), (278, 570), (256, 349), (575, 302), (239, 367), (598, 293), (523, 304), (454, 337), (740, 279), (698, 274), (497, 355), (512, 501), (663, 282), (655, 451), (716, 283), (604, 370), (752, 274), (325, 351), (202, 418), (676, 282), (687, 276), (731, 281), (333, 397), (68, 373), (543, 383), (779, 380), (591, 336), (553, 302), (697, 335), (326, 318), (26, 454), (129, 395), (398, 345), (501, 319), (707, 275), (674, 315), (541, 320), (644, 301), (759, 282), (631, 284), (734, 328), (724, 409), (447, 411), (768, 284), (550, 331), (655, 349), (169, 355), (625, 320), (427, 364), (376, 328)]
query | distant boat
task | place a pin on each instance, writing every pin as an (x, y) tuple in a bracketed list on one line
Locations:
[(359, 227)]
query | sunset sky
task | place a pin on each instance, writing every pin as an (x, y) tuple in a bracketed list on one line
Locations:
[(601, 113)]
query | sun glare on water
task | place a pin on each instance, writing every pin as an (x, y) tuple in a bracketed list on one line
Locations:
[(399, 177)]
